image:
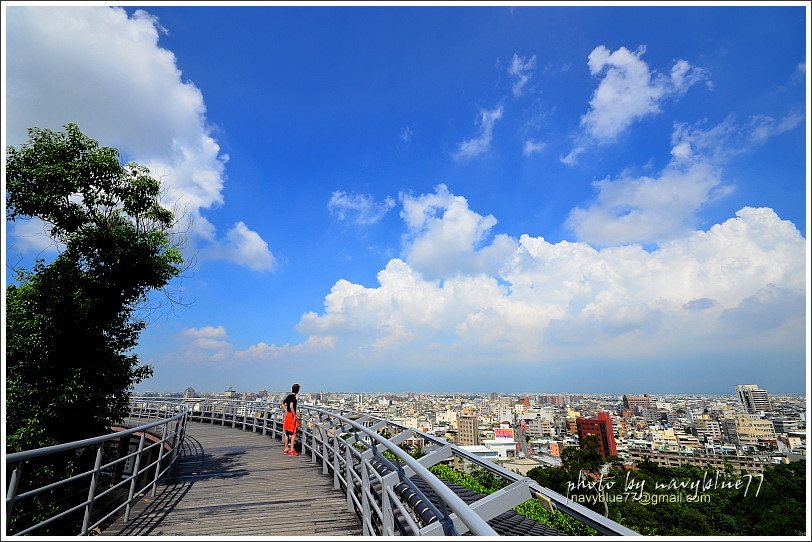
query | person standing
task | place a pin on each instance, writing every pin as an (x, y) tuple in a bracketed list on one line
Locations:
[(290, 422)]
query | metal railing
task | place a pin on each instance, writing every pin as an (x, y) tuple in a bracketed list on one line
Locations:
[(391, 492), (379, 486), (352, 453), (52, 488)]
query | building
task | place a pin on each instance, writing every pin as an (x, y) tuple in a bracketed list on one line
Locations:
[(636, 403), (730, 434), (556, 399), (480, 451), (650, 415), (541, 427), (468, 430), (739, 463), (571, 425), (601, 427), (503, 441), (753, 430), (786, 425), (522, 465), (753, 399), (708, 430)]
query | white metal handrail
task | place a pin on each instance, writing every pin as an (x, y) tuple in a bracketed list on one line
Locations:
[(170, 424), (561, 503), (349, 446), (321, 437)]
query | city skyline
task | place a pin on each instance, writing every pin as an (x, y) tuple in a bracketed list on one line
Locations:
[(515, 393), (605, 199)]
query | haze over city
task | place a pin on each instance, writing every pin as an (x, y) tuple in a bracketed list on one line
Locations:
[(540, 199)]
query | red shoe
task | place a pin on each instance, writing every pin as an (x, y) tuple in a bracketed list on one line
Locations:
[(286, 452), (293, 452)]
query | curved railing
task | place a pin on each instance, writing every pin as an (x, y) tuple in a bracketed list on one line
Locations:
[(53, 486), (350, 447), (392, 492)]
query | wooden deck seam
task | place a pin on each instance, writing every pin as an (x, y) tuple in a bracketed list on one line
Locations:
[(245, 486)]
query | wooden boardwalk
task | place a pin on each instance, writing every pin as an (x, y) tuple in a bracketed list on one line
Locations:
[(230, 482)]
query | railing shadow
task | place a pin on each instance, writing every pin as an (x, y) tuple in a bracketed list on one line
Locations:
[(193, 465)]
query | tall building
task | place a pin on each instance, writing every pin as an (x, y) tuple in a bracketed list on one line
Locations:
[(753, 399), (601, 427), (636, 403), (468, 430)]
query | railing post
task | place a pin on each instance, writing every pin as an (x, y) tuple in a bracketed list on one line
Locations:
[(303, 427), (336, 459), (158, 464), (324, 456), (134, 476), (12, 488), (175, 441), (313, 427), (183, 429), (386, 503), (91, 495), (365, 496), (349, 471)]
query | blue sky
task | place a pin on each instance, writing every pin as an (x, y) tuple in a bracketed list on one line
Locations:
[(460, 198)]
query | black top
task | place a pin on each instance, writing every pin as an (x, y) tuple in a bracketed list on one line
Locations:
[(290, 402)]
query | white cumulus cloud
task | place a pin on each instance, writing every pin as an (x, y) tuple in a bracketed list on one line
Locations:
[(208, 343), (544, 302), (628, 91), (211, 344), (647, 209), (444, 236), (246, 247), (105, 71)]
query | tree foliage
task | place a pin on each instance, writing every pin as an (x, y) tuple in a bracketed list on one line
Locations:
[(485, 482), (71, 324), (776, 507), (588, 457)]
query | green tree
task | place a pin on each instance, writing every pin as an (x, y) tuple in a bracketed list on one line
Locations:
[(588, 457), (71, 324)]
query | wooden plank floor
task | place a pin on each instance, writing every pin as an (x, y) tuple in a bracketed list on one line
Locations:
[(230, 482)]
